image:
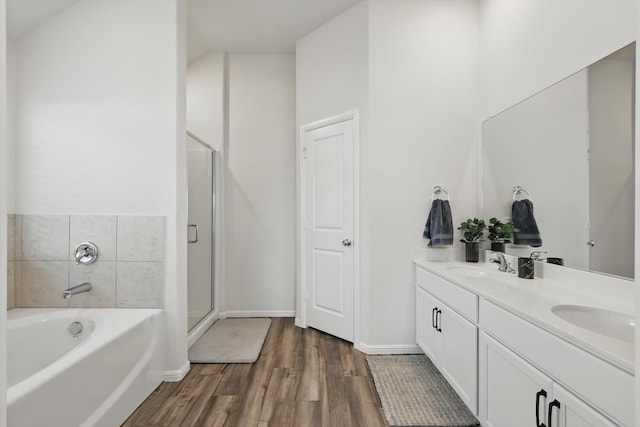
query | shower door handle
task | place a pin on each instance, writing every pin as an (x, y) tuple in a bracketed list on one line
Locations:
[(196, 239)]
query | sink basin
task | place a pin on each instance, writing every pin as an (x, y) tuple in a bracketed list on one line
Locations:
[(605, 322), (489, 279)]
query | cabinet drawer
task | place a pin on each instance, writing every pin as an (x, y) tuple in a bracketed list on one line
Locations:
[(461, 300), (601, 384)]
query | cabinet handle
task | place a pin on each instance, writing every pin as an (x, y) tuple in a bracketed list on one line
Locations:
[(439, 320), (553, 404), (541, 393), (434, 325)]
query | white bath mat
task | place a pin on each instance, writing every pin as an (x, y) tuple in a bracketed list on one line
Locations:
[(231, 341)]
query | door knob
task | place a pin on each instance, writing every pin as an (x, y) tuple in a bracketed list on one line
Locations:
[(346, 242), (591, 243)]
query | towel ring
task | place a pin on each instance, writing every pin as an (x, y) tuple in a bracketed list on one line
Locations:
[(439, 192), (517, 191)]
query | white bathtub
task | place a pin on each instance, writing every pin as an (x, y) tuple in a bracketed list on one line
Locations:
[(95, 378)]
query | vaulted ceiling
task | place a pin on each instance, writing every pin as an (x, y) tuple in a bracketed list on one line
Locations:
[(236, 26), (256, 26)]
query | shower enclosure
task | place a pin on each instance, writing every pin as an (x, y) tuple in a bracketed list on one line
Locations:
[(201, 164)]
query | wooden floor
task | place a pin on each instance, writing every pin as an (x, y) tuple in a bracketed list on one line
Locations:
[(303, 377)]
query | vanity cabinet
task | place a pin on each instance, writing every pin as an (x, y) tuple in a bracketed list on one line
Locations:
[(447, 338), (513, 393), (523, 372)]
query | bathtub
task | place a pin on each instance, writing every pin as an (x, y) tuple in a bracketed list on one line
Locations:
[(81, 367)]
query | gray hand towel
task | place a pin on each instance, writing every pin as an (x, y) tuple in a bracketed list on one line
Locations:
[(522, 219), (439, 227)]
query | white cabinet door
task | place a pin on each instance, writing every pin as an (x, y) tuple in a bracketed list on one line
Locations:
[(573, 412), (427, 318), (459, 356), (451, 342), (512, 392)]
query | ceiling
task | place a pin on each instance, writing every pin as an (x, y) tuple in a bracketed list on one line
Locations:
[(25, 15), (255, 26), (235, 26)]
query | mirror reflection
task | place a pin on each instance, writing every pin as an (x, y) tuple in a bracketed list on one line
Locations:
[(571, 148)]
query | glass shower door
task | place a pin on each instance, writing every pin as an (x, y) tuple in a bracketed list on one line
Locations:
[(201, 220)]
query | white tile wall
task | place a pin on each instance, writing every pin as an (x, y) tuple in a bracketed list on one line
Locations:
[(129, 271), (11, 285), (42, 283), (140, 284), (141, 238), (100, 230), (45, 237), (102, 276), (11, 237)]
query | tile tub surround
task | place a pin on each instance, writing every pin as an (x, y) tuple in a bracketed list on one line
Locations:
[(129, 272)]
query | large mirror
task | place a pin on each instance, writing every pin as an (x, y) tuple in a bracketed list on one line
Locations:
[(571, 148)]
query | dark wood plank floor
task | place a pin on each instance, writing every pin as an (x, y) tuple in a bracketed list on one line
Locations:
[(303, 377)]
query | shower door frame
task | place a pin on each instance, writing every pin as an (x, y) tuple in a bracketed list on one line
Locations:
[(200, 328)]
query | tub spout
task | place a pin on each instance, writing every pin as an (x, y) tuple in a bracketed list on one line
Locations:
[(82, 287)]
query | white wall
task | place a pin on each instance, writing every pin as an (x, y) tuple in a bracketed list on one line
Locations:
[(11, 120), (332, 68), (417, 99), (3, 212), (332, 77), (101, 128), (423, 132), (528, 45), (260, 186), (205, 98), (95, 101)]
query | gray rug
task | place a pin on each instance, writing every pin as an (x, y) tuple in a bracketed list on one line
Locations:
[(414, 393), (231, 341)]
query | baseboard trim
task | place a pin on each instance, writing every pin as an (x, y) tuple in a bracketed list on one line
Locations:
[(265, 313), (177, 375), (388, 349), (201, 328), (299, 323)]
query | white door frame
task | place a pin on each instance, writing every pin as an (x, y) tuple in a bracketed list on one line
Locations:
[(301, 312)]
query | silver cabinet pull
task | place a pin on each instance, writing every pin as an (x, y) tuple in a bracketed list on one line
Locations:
[(346, 242), (196, 239), (591, 243)]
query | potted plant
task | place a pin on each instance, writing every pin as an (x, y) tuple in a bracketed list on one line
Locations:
[(499, 234), (473, 232)]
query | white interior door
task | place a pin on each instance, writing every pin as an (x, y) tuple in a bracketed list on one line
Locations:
[(329, 228)]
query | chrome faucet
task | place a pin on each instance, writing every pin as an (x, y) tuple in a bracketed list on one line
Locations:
[(78, 289), (504, 264), (537, 255)]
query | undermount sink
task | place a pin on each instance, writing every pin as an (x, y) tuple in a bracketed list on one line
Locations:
[(605, 322), (488, 278)]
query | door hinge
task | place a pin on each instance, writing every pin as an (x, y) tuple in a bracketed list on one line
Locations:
[(304, 152)]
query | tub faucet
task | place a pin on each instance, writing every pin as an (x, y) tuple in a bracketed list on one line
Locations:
[(77, 289), (504, 264)]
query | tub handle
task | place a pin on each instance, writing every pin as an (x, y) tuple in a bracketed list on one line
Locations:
[(86, 253)]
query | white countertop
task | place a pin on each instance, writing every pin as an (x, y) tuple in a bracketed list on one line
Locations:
[(532, 300)]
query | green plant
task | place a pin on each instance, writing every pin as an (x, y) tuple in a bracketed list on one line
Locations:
[(472, 230), (500, 232)]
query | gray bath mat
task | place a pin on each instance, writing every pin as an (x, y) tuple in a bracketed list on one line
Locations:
[(231, 341), (414, 393)]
